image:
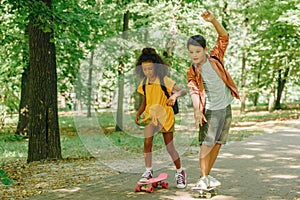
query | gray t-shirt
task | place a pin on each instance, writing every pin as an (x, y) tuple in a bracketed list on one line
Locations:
[(218, 95)]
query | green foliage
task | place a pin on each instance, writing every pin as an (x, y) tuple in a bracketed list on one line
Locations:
[(5, 180), (12, 138), (271, 46), (80, 27)]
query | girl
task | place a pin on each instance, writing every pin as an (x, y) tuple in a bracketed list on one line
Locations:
[(157, 109)]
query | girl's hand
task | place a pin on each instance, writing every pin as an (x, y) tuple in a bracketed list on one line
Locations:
[(137, 119), (171, 100), (207, 16)]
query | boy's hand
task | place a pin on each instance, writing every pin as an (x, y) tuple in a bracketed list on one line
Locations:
[(199, 118), (207, 16)]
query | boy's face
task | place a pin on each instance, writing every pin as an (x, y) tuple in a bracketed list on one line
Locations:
[(197, 54), (148, 69)]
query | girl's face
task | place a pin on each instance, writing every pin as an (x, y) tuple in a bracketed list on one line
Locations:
[(197, 54), (148, 69)]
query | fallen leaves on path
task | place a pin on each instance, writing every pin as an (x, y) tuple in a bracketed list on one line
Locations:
[(40, 177)]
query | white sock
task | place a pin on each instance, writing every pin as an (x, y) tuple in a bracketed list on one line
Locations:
[(148, 169), (179, 170)]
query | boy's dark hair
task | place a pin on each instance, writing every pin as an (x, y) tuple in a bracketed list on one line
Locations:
[(197, 40), (149, 55)]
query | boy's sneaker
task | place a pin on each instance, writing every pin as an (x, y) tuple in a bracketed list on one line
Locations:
[(213, 182), (180, 179), (203, 183), (146, 176)]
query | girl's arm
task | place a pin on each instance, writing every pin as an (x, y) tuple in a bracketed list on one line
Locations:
[(178, 92), (140, 111)]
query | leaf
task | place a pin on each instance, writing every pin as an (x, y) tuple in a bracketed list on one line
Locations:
[(7, 181), (2, 173)]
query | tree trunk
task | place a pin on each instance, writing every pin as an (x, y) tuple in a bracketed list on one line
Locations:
[(43, 128), (256, 94), (243, 75), (24, 101), (78, 94), (272, 96), (271, 101), (119, 125), (89, 103), (281, 83)]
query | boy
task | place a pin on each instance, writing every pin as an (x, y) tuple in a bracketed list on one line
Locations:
[(212, 91)]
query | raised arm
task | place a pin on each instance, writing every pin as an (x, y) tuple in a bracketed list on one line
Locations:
[(209, 17)]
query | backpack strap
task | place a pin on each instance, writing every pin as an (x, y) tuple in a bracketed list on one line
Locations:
[(144, 86), (163, 87), (216, 58)]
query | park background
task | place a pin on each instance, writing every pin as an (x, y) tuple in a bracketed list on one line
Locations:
[(61, 60)]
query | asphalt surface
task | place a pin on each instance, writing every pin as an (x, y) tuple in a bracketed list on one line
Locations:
[(261, 167)]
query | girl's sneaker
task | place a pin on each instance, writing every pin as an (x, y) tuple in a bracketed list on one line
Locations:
[(146, 176), (181, 179), (213, 182)]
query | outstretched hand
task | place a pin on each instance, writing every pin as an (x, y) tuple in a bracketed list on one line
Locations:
[(207, 16)]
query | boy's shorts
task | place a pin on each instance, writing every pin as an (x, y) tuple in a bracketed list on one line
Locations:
[(216, 129)]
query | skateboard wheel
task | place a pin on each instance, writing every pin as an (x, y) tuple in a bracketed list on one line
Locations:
[(138, 188), (196, 194), (208, 195), (165, 185), (149, 189), (155, 185)]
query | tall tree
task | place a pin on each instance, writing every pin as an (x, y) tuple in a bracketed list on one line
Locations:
[(43, 128), (23, 108), (119, 125), (89, 85), (244, 60), (22, 127)]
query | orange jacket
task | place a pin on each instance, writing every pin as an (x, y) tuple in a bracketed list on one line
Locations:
[(195, 83)]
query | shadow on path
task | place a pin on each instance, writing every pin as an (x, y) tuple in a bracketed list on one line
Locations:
[(262, 167)]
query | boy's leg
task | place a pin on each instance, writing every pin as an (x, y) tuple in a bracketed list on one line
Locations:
[(208, 156), (214, 154), (209, 149)]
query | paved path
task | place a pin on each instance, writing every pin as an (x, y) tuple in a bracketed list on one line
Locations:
[(262, 167)]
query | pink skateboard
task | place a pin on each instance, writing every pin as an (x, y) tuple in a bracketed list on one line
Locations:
[(152, 183)]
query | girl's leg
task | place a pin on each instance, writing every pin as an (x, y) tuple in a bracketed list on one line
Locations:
[(168, 138), (148, 141), (180, 175)]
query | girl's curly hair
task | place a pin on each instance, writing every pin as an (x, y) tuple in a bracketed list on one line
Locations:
[(149, 55)]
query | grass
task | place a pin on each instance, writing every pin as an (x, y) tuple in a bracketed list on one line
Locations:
[(14, 147), (236, 136)]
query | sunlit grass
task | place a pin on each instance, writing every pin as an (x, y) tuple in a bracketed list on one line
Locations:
[(13, 147)]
